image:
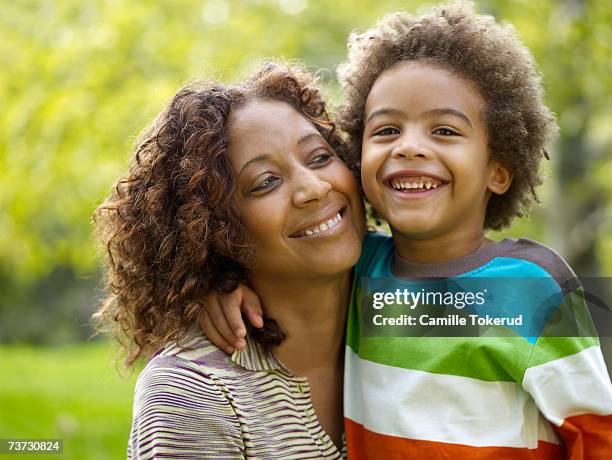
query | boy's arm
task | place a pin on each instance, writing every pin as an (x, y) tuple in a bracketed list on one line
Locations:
[(222, 320), (568, 379)]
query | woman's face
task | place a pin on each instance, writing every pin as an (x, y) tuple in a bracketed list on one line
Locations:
[(297, 200)]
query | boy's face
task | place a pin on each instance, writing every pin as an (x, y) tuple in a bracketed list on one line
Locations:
[(425, 165)]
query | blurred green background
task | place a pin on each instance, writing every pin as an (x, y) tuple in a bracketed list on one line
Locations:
[(79, 80)]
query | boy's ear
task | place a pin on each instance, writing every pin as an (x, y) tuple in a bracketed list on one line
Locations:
[(500, 178)]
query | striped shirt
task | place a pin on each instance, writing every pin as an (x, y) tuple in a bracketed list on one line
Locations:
[(193, 401), (507, 396)]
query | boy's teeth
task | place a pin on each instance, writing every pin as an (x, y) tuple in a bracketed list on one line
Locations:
[(424, 183), (328, 224)]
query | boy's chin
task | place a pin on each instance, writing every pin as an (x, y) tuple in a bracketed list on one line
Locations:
[(414, 230)]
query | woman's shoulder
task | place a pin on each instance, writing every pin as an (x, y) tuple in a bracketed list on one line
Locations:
[(172, 377), (195, 361), (179, 381), (190, 346), (194, 356), (187, 375)]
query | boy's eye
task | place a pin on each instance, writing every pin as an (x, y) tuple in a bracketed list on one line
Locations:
[(266, 184), (321, 159), (445, 132), (387, 132)]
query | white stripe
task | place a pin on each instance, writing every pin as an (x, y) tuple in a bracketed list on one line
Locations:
[(546, 432), (444, 408), (574, 385)]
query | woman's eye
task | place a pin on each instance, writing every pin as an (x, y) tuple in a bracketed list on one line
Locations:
[(321, 158), (445, 132), (387, 132), (265, 184)]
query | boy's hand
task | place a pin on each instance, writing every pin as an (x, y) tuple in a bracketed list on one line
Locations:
[(222, 320)]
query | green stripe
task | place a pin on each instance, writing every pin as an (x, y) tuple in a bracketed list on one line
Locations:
[(553, 348), (569, 330), (485, 358)]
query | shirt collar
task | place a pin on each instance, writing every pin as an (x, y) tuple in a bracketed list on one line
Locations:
[(255, 358), (403, 268)]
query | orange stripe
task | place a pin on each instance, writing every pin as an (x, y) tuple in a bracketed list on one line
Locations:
[(363, 444), (587, 437)]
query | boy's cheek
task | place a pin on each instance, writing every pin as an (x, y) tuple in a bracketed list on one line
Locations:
[(370, 169), (372, 191), (372, 162), (378, 204)]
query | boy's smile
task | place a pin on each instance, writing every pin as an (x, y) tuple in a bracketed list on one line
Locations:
[(425, 163), (413, 183)]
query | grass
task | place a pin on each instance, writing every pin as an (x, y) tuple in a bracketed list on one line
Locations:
[(74, 393)]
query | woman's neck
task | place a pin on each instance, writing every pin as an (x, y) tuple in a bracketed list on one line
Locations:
[(312, 314)]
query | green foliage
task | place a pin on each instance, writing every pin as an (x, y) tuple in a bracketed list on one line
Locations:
[(79, 80)]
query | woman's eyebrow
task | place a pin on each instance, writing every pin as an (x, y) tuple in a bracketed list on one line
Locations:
[(265, 156), (448, 111), (262, 157), (309, 136)]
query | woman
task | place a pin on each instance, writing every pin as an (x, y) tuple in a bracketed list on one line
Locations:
[(234, 184)]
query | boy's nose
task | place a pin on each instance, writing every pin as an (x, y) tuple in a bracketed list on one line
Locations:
[(410, 148), (309, 187)]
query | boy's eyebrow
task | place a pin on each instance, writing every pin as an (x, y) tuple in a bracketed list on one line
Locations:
[(380, 112), (442, 111), (445, 111)]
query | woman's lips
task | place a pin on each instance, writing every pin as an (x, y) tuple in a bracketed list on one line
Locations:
[(323, 227)]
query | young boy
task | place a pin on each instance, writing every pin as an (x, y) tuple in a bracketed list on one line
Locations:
[(446, 111)]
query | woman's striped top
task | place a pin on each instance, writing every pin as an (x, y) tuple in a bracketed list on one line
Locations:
[(194, 402)]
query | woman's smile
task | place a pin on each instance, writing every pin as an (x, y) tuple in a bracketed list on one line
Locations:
[(323, 227)]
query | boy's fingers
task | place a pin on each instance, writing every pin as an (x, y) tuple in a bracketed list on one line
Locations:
[(213, 335), (252, 308), (231, 307), (217, 315), (255, 318)]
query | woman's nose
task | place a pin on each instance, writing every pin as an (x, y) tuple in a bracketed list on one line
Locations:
[(309, 187)]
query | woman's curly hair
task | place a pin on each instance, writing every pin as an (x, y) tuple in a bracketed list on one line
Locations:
[(475, 47), (170, 229)]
